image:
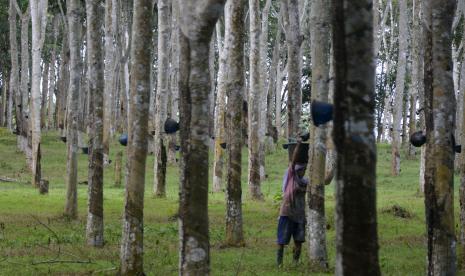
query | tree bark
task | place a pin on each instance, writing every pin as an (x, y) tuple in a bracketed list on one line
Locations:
[(255, 90), (74, 26), (294, 64), (400, 85), (63, 82), (39, 22), (234, 16), (94, 229), (133, 219), (356, 226), (197, 21), (109, 76), (45, 94), (53, 76), (14, 90), (160, 142), (219, 158), (23, 141), (316, 222), (439, 167), (264, 76)]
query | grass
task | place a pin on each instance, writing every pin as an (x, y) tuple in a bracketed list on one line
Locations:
[(33, 229)]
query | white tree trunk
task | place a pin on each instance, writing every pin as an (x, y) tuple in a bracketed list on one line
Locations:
[(74, 25), (132, 245), (320, 48), (255, 90), (160, 142), (400, 85), (39, 21)]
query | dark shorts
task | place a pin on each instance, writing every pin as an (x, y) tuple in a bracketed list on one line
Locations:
[(288, 228)]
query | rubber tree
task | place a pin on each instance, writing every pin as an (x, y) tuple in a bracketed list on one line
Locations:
[(356, 224), (400, 86), (294, 66), (234, 86), (439, 166), (319, 49), (75, 65), (197, 22), (161, 102), (132, 245), (94, 229), (255, 90)]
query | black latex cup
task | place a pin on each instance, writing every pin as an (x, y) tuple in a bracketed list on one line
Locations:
[(418, 139), (171, 126), (123, 139), (321, 112)]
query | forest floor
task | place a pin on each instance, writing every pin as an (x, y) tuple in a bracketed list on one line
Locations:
[(35, 238)]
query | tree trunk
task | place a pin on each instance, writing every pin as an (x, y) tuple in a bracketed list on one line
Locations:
[(39, 22), (24, 142), (198, 19), (439, 167), (45, 94), (294, 64), (272, 95), (255, 89), (109, 76), (50, 108), (133, 218), (219, 158), (160, 142), (234, 16), (63, 83), (14, 90), (400, 85), (74, 25), (174, 99), (316, 222), (356, 226), (94, 229), (264, 76)]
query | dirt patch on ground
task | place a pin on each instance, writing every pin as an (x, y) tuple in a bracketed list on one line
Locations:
[(397, 211)]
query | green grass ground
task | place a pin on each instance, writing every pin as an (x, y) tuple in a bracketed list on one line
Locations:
[(33, 231)]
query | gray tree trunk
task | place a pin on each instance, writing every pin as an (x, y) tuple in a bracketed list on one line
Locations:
[(197, 21), (63, 82), (400, 85), (294, 64), (255, 90), (320, 48), (14, 90), (220, 111), (264, 76), (163, 85), (94, 229), (234, 16), (23, 139), (45, 94), (39, 23), (109, 75), (356, 226), (439, 167), (53, 76), (74, 26), (132, 246)]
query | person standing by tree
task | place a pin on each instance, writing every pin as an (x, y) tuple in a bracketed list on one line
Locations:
[(292, 211)]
